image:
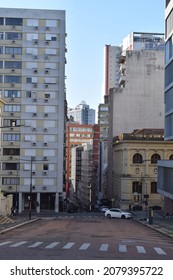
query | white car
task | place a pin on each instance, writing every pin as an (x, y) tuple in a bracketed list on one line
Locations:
[(117, 213)]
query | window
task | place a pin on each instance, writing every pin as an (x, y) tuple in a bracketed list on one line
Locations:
[(136, 187), (1, 78), (13, 21), (155, 158), (13, 64), (1, 64), (32, 22), (12, 93), (11, 122), (12, 79), (1, 21), (13, 50), (1, 36), (1, 50), (10, 166), (50, 37), (11, 108), (45, 167), (153, 187), (11, 152), (137, 158), (171, 157), (11, 137), (13, 36), (10, 181), (51, 23)]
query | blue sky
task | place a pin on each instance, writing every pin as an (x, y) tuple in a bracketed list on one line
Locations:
[(90, 24)]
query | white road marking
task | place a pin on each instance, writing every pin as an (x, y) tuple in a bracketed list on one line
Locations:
[(5, 243), (104, 247), (19, 244), (68, 245), (85, 246), (141, 250), (36, 244), (122, 248), (159, 251), (52, 245)]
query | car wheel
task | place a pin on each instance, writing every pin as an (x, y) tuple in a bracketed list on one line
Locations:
[(123, 217), (108, 216)]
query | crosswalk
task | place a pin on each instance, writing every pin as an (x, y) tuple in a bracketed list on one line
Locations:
[(104, 247)]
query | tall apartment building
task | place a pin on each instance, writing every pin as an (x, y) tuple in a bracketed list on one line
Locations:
[(82, 114), (32, 62), (165, 167)]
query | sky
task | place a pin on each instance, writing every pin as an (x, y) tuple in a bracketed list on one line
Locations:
[(90, 25)]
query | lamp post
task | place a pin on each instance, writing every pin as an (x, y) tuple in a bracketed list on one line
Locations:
[(30, 194)]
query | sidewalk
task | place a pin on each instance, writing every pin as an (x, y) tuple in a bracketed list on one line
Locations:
[(160, 223)]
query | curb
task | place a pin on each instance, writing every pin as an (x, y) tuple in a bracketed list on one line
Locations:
[(18, 225), (156, 228)]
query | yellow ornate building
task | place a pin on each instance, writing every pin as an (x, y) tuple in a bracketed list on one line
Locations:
[(134, 168)]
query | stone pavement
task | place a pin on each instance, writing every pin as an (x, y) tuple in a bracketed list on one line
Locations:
[(160, 222)]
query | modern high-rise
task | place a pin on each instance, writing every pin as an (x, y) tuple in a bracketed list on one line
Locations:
[(32, 92), (82, 114), (165, 167)]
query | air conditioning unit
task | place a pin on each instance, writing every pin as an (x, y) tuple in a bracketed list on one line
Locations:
[(33, 172), (46, 115), (13, 70), (36, 27), (11, 142), (44, 158), (34, 114), (12, 55), (10, 172), (35, 57), (13, 41), (34, 100), (33, 144), (35, 85), (12, 85), (12, 114), (11, 158), (46, 100), (35, 70), (45, 129), (46, 86), (47, 42), (44, 188), (46, 71), (44, 173), (45, 144), (33, 187), (33, 128), (47, 27), (10, 187)]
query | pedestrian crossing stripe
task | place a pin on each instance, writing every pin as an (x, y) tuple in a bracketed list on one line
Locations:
[(103, 247)]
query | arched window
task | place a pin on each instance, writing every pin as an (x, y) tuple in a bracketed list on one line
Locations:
[(137, 158), (155, 158), (171, 157)]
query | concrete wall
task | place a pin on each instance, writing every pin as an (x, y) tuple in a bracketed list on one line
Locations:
[(140, 104), (5, 204)]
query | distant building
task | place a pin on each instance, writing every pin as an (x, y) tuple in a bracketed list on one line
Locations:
[(82, 114)]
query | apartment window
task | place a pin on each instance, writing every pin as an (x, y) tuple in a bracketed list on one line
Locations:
[(12, 93), (136, 187), (1, 78), (50, 51), (11, 108), (11, 152), (13, 64), (1, 21), (32, 37), (11, 137), (153, 187), (1, 64), (1, 35), (12, 79), (11, 122), (45, 167), (28, 80), (28, 94), (13, 21), (50, 37), (13, 50), (10, 166), (1, 50), (51, 23), (10, 181), (13, 36), (155, 158)]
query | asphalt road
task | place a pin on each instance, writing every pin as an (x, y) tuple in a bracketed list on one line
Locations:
[(80, 238)]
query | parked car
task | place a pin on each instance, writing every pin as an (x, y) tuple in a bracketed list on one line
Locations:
[(117, 213), (104, 209)]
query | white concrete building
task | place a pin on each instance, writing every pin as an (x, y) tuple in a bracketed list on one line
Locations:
[(32, 62), (82, 114)]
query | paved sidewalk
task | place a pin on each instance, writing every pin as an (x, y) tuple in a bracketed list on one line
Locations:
[(160, 222)]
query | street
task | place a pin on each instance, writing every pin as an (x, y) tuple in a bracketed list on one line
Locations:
[(85, 237)]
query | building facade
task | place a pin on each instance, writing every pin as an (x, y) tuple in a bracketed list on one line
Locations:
[(135, 158), (165, 168), (82, 114), (32, 62)]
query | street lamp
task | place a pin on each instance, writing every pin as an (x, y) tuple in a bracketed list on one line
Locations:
[(30, 194)]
